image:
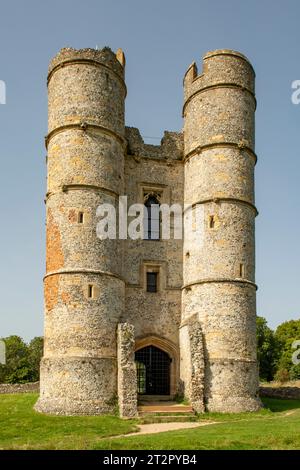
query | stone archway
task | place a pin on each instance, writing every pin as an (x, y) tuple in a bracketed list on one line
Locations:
[(167, 347), (153, 371)]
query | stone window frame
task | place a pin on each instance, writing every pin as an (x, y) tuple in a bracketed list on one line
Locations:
[(241, 270), (149, 216), (81, 217), (91, 288), (151, 287), (74, 217), (161, 191), (158, 267), (211, 221), (90, 291)]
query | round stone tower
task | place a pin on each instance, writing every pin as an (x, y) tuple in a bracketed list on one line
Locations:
[(84, 290), (219, 269)]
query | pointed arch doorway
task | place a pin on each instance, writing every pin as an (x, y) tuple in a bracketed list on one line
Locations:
[(171, 350), (153, 371)]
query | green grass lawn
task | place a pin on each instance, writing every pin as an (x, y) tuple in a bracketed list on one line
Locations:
[(275, 427), (23, 428)]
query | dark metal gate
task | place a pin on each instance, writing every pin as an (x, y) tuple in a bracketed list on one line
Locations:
[(153, 371)]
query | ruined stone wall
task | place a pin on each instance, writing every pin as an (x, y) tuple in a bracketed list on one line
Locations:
[(219, 270), (84, 289), (192, 362), (30, 387), (284, 392)]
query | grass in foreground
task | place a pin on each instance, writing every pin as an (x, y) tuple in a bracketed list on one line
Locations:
[(23, 428), (275, 427)]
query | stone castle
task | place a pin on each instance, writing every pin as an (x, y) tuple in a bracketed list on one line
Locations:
[(128, 318)]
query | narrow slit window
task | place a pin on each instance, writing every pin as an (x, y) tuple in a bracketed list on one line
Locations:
[(211, 221), (90, 291), (242, 270), (151, 282), (80, 217)]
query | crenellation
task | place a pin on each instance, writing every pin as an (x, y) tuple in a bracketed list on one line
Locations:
[(104, 56), (170, 148), (222, 67)]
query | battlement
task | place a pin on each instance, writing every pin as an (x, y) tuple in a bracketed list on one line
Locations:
[(104, 56), (222, 67), (226, 52), (171, 145)]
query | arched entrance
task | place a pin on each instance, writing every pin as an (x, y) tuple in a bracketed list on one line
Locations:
[(153, 371)]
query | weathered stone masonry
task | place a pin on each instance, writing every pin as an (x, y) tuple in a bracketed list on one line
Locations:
[(97, 308)]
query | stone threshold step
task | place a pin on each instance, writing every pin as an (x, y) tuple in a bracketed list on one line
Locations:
[(167, 419), (165, 409), (154, 398), (163, 415)]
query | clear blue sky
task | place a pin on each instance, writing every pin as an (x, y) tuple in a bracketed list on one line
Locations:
[(160, 39)]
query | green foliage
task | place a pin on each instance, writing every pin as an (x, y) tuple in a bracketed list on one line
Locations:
[(22, 360), (267, 350), (180, 398), (114, 402), (285, 335), (275, 350), (35, 353), (295, 372)]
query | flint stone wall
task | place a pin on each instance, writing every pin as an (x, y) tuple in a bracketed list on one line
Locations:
[(127, 378)]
